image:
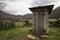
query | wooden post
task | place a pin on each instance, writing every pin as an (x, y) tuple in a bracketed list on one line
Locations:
[(40, 20), (12, 23), (1, 21)]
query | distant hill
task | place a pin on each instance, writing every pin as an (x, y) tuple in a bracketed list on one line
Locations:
[(7, 16), (28, 16), (56, 13)]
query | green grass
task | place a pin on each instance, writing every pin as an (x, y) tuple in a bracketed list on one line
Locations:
[(52, 20), (20, 32), (17, 33), (54, 34)]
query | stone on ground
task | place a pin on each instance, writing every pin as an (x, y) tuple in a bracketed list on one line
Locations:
[(32, 37), (44, 36)]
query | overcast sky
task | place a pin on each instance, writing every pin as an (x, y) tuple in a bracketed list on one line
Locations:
[(20, 7)]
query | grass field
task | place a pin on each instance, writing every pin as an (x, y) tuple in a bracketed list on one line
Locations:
[(54, 34), (20, 32), (17, 33)]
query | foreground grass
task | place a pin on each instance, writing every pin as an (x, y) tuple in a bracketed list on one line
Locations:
[(14, 34), (17, 33), (20, 32), (54, 34)]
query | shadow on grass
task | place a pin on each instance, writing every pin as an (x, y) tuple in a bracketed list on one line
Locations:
[(55, 26), (2, 29), (10, 28)]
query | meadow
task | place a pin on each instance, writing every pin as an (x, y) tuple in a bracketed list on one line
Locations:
[(20, 32)]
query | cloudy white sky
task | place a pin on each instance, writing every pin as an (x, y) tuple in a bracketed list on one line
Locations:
[(20, 7)]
